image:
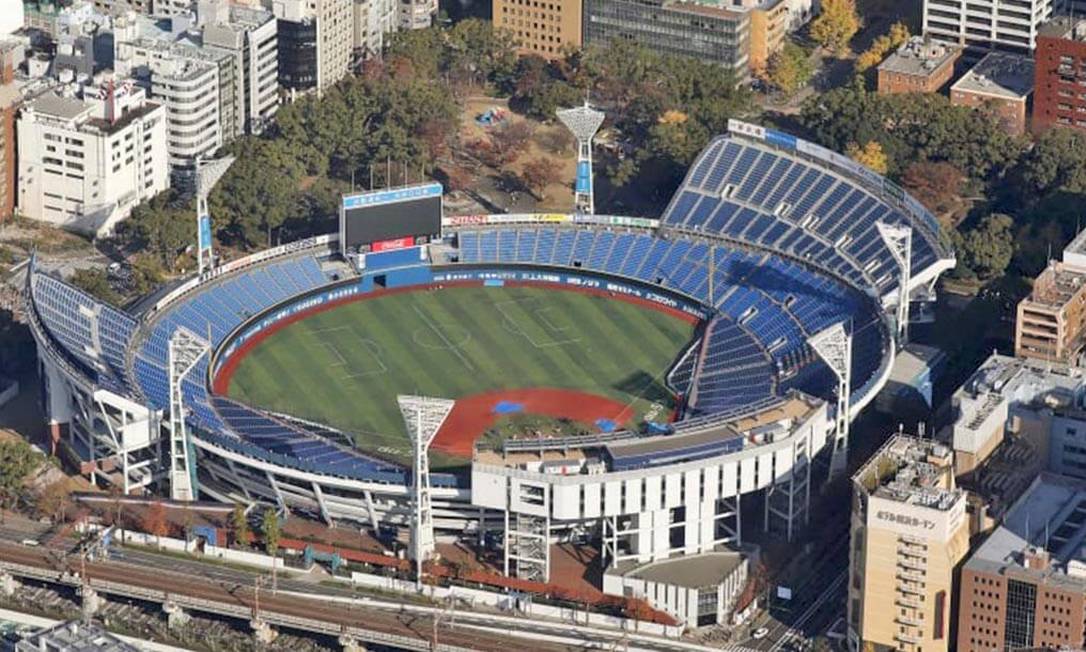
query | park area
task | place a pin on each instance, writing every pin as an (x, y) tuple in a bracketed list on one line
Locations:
[(576, 357)]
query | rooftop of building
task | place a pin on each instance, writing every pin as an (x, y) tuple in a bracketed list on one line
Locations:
[(1066, 27), (998, 74), (689, 571), (1056, 285), (703, 9), (77, 636), (1042, 535), (920, 57), (913, 471), (59, 106)]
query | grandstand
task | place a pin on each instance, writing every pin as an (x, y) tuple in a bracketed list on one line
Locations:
[(768, 241)]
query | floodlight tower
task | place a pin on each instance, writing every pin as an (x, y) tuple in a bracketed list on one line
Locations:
[(423, 416), (899, 240), (584, 122), (185, 350), (834, 346), (207, 175)]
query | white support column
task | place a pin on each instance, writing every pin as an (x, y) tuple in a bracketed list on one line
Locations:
[(319, 495), (423, 417), (207, 175), (185, 350), (834, 346), (899, 240), (584, 122)]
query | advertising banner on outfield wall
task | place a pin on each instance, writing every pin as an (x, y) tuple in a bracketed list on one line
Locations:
[(550, 218)]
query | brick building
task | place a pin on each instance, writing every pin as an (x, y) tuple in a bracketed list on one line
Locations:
[(10, 99), (918, 66), (1059, 96), (1001, 84), (1025, 586), (541, 26)]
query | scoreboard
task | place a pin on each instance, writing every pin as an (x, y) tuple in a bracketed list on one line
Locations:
[(390, 219)]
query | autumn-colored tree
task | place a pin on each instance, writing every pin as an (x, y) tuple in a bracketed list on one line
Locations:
[(457, 178), (936, 185), (55, 500), (154, 520), (789, 68), (538, 174), (836, 25), (870, 155), (882, 46), (240, 525), (115, 496), (511, 139)]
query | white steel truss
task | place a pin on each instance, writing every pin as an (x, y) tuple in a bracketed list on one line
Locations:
[(423, 416), (185, 350), (583, 122), (207, 175), (899, 240), (834, 346)]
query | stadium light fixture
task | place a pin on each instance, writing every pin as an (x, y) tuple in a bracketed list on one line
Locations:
[(583, 122), (423, 416), (207, 175), (185, 350), (899, 240), (834, 346)]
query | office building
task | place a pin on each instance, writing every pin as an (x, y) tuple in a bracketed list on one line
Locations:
[(373, 20), (1000, 84), (1025, 586), (189, 90), (85, 162), (541, 28), (251, 36), (908, 532), (1059, 93), (320, 45), (10, 98), (711, 33), (1003, 25), (417, 14), (918, 66)]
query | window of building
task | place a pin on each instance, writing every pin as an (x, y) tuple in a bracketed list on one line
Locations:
[(1021, 610)]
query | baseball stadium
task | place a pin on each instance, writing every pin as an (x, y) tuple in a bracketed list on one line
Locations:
[(518, 379)]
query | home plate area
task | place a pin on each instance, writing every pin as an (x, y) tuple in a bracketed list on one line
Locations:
[(473, 415)]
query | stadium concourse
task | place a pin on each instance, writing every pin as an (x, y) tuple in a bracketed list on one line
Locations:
[(796, 262)]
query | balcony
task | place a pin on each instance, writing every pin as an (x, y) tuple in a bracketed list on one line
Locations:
[(908, 587), (906, 601), (909, 575), (907, 638), (907, 620), (910, 562)]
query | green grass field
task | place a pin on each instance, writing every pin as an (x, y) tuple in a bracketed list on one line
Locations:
[(345, 367)]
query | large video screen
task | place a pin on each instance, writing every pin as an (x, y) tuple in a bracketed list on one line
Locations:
[(387, 216)]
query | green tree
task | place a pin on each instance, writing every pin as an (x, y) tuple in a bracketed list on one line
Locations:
[(17, 461), (240, 524), (790, 68), (258, 193), (986, 250), (269, 528), (835, 26), (95, 282), (1056, 162), (162, 226)]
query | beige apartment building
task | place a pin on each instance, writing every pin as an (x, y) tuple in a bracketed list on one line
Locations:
[(541, 26), (909, 532)]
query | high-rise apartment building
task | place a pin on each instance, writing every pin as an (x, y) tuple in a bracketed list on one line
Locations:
[(1025, 586), (85, 162), (711, 33), (980, 25), (908, 532), (541, 28), (417, 14), (373, 20), (1051, 321), (1059, 93)]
